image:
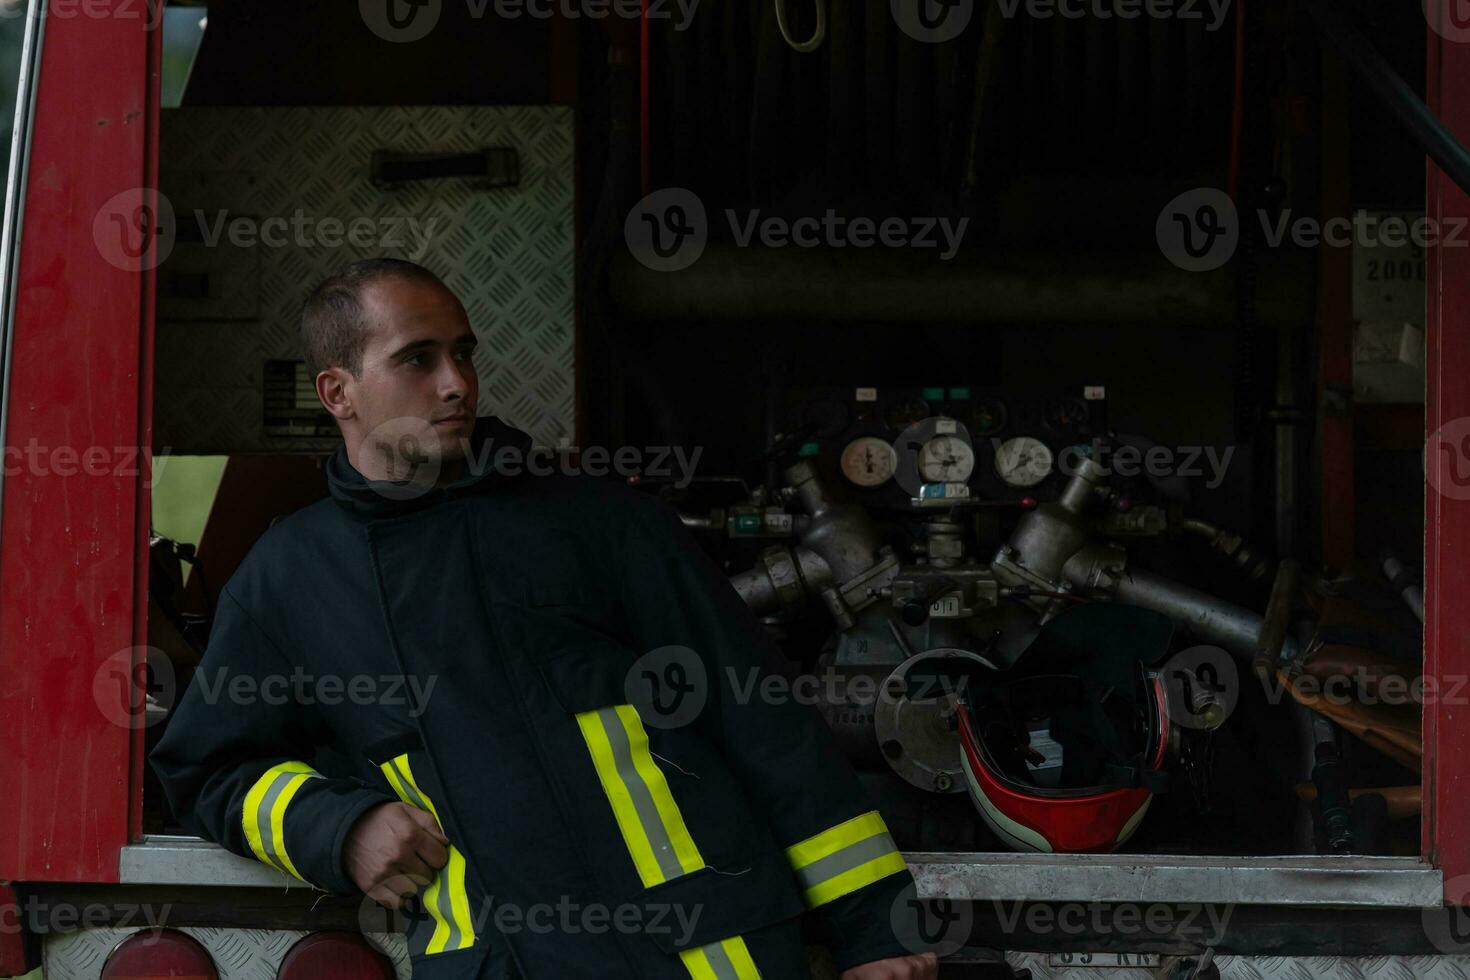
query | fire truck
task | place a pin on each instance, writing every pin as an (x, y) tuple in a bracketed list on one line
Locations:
[(94, 883)]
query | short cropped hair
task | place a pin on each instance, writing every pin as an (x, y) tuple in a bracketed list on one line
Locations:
[(333, 331)]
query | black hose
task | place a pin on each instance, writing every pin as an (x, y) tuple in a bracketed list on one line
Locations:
[(1427, 131)]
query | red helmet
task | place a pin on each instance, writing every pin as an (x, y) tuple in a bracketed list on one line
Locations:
[(1064, 750)]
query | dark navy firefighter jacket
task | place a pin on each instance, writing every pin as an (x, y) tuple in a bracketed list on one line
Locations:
[(470, 650)]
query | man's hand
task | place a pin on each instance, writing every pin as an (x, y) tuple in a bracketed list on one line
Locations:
[(924, 966), (392, 851)]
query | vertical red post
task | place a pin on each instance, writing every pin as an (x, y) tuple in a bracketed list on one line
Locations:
[(70, 586), (1447, 493)]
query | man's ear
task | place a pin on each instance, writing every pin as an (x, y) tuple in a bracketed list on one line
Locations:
[(331, 388)]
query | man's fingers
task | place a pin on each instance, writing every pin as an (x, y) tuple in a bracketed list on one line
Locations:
[(431, 852), (426, 820)]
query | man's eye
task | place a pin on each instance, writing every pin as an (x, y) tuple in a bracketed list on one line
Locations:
[(465, 355), (417, 360)]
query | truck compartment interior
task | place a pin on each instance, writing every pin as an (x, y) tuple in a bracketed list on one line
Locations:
[(1237, 446)]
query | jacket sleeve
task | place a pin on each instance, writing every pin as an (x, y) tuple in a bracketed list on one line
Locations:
[(234, 759), (846, 864)]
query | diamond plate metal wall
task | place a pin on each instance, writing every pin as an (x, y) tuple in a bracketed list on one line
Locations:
[(507, 253), (1273, 968), (254, 954), (240, 954)]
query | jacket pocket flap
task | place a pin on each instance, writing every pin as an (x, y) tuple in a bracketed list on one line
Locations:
[(708, 905), (588, 677), (392, 747)]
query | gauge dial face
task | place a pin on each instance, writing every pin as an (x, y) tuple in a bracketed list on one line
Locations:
[(1068, 417), (902, 414), (869, 461), (946, 459), (1023, 461), (989, 417)]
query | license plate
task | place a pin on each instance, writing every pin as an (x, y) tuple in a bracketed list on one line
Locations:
[(1114, 960)]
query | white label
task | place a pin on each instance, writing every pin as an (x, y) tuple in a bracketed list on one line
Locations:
[(1389, 273), (866, 395), (779, 522), (1095, 393), (1102, 959), (944, 427), (945, 607)]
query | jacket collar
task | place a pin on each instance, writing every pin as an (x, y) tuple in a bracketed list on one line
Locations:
[(369, 499)]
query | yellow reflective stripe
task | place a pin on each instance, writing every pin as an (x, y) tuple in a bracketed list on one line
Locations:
[(831, 841), (859, 877), (658, 788), (652, 826), (278, 819), (844, 858), (739, 955), (640, 848), (263, 814), (728, 959), (447, 898)]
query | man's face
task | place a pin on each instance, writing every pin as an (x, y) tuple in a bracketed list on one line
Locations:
[(416, 397)]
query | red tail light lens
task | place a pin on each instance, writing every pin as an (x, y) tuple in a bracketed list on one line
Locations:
[(335, 956), (156, 955)]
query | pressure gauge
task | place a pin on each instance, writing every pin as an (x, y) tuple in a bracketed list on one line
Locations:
[(1023, 461), (869, 461), (946, 459)]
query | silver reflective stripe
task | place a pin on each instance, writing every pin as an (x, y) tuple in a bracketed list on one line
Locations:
[(840, 862), (648, 816), (263, 814), (720, 962), (408, 787)]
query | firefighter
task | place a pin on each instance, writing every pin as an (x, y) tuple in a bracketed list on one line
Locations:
[(520, 704)]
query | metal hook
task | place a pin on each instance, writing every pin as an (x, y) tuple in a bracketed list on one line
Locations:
[(818, 36)]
